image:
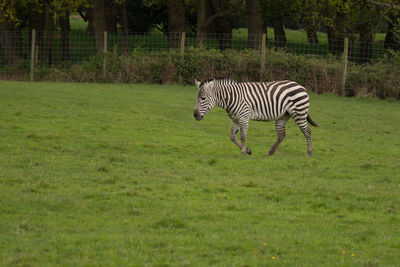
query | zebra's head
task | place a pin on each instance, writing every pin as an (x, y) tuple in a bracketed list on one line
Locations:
[(205, 99)]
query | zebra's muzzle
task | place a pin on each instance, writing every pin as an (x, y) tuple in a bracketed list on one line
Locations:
[(197, 115)]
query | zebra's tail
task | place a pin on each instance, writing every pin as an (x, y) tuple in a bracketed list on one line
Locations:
[(311, 121)]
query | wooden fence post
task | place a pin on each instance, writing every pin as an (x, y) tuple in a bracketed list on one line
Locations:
[(182, 48), (262, 68), (345, 58), (105, 48), (33, 50)]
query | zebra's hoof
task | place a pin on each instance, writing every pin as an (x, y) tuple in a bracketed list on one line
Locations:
[(248, 150)]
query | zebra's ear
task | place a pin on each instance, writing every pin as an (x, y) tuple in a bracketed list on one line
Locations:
[(197, 83), (211, 84)]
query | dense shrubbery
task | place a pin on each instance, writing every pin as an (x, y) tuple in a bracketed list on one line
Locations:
[(378, 80), (320, 75)]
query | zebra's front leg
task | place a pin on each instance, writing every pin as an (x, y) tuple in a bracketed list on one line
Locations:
[(235, 128), (243, 135)]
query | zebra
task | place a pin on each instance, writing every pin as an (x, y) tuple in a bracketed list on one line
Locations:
[(260, 101)]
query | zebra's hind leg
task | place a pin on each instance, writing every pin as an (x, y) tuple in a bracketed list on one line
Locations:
[(280, 126), (307, 134)]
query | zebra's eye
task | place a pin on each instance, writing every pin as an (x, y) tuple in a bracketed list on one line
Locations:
[(203, 98)]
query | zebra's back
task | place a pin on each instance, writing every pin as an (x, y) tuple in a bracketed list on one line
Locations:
[(272, 100)]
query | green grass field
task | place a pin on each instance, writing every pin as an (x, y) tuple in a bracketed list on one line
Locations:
[(122, 174)]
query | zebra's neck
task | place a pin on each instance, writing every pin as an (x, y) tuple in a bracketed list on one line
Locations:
[(221, 96)]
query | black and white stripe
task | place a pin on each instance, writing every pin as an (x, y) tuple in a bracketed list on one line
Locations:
[(279, 101)]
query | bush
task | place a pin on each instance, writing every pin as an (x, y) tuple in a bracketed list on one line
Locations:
[(18, 71), (319, 75), (378, 80)]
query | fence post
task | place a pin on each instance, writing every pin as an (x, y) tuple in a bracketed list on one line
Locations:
[(345, 58), (182, 48), (105, 48), (33, 50), (263, 39)]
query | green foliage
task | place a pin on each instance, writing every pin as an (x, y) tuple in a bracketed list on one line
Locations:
[(11, 11), (396, 32), (368, 80), (122, 175), (272, 10), (319, 75), (138, 16)]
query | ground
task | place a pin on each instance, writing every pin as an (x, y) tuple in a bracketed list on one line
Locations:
[(122, 174)]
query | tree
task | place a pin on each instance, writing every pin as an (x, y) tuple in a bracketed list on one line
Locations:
[(203, 11), (311, 17), (255, 24), (366, 20), (275, 11), (102, 15), (39, 15), (10, 30), (65, 29), (346, 18), (140, 15), (392, 40), (99, 23), (222, 25), (213, 16), (176, 21), (124, 26)]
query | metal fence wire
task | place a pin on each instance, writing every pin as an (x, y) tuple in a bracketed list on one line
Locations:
[(53, 48)]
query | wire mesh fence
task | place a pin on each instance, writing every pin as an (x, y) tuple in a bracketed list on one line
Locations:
[(57, 48)]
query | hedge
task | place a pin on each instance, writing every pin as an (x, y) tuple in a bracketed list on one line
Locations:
[(317, 74)]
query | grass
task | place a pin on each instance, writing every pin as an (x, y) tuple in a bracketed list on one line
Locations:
[(109, 174)]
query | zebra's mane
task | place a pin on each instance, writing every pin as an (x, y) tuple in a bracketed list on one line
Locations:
[(220, 81)]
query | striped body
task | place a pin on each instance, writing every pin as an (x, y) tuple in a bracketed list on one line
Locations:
[(277, 101), (263, 101)]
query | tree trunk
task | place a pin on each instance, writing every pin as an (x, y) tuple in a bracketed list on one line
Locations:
[(255, 23), (312, 36), (37, 21), (10, 42), (110, 15), (311, 29), (223, 25), (48, 56), (215, 16), (336, 34), (366, 48), (99, 24), (311, 22), (391, 42), (89, 17), (176, 22), (201, 19), (65, 28), (335, 41), (279, 33), (124, 27)]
